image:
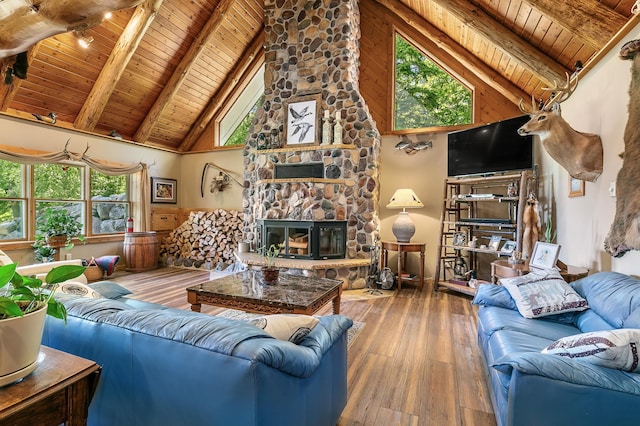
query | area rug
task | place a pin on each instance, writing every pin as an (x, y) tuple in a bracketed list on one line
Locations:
[(235, 314), (365, 294)]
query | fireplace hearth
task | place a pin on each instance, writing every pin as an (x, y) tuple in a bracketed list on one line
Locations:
[(309, 239)]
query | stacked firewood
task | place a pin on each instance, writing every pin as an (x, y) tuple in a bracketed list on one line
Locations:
[(205, 239)]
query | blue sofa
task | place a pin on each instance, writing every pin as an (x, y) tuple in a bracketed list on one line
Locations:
[(531, 388), (165, 366)]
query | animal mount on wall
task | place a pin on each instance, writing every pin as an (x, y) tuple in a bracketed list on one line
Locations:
[(24, 23), (624, 234), (221, 181), (581, 154)]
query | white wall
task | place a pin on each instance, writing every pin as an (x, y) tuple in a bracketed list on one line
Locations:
[(599, 105), (192, 167)]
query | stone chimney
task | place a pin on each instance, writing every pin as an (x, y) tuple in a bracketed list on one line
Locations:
[(312, 48)]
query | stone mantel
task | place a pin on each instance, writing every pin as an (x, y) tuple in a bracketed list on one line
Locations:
[(254, 259)]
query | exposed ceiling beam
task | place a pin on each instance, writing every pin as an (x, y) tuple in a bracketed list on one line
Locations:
[(448, 45), (589, 20), (8, 91), (117, 62), (182, 70), (528, 56), (247, 62)]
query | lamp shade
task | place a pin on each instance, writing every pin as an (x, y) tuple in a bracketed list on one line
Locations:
[(404, 199)]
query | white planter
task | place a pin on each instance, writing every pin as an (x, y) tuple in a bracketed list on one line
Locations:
[(19, 345)]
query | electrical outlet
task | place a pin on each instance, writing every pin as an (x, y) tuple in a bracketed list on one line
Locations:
[(612, 189), (67, 256)]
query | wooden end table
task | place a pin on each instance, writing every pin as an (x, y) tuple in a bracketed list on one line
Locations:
[(57, 392), (403, 249), (504, 269)]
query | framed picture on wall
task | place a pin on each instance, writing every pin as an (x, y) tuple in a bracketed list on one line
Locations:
[(576, 187), (164, 190), (302, 120)]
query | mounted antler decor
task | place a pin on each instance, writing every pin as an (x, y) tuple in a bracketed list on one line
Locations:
[(624, 234), (581, 154)]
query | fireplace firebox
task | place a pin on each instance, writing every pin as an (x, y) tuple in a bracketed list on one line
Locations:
[(305, 239)]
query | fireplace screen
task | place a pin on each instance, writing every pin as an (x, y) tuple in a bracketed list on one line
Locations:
[(305, 239)]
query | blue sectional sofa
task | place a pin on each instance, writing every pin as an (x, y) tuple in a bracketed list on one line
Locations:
[(533, 388), (171, 367)]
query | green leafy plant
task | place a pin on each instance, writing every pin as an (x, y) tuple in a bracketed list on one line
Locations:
[(270, 254), (58, 222), (22, 295), (44, 252)]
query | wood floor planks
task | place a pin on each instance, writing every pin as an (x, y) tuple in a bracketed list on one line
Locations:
[(415, 363)]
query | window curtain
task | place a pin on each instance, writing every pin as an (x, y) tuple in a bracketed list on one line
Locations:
[(140, 187)]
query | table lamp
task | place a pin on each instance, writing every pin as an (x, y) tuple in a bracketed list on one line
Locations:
[(403, 228)]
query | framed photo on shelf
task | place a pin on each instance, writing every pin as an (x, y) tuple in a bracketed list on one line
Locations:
[(302, 120), (544, 255), (508, 247), (494, 243), (164, 190), (459, 239), (576, 187)]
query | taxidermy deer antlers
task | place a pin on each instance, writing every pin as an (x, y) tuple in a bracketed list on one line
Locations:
[(579, 153)]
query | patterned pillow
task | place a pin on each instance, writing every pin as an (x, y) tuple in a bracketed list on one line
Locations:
[(611, 348), (293, 328), (77, 289), (543, 292)]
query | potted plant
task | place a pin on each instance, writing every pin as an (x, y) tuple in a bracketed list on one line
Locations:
[(44, 252), (269, 271), (59, 227), (24, 302)]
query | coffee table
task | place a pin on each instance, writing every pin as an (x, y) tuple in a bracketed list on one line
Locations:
[(245, 291)]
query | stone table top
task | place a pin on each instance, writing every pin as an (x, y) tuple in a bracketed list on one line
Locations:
[(291, 291)]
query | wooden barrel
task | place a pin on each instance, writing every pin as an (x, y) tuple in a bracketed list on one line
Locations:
[(141, 251)]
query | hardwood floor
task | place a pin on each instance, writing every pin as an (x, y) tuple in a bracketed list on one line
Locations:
[(416, 362)]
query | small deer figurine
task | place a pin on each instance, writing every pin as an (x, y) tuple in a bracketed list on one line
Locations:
[(579, 153)]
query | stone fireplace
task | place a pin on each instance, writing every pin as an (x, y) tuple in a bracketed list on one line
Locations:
[(312, 48)]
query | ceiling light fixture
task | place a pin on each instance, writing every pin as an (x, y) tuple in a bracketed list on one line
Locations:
[(108, 15), (84, 40)]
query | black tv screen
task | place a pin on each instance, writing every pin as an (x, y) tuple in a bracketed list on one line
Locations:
[(493, 148)]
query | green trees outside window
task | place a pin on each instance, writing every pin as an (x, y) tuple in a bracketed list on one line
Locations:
[(425, 94)]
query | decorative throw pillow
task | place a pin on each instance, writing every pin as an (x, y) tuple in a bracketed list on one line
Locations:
[(543, 292), (291, 327), (109, 289), (107, 263), (611, 348), (77, 289), (4, 259)]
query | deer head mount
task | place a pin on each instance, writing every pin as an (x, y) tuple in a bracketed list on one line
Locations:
[(579, 153)]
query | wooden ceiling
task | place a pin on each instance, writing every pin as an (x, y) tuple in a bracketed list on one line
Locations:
[(160, 72)]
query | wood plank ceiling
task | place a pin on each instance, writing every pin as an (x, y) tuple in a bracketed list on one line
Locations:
[(159, 73)]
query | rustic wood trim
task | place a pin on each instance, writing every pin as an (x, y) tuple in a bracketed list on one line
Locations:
[(252, 58), (116, 64), (532, 59), (446, 46), (172, 86), (589, 20), (617, 38)]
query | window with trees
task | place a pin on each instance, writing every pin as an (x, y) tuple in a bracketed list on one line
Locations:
[(234, 126), (74, 188), (425, 94)]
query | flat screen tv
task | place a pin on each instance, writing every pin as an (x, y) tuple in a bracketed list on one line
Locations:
[(489, 149)]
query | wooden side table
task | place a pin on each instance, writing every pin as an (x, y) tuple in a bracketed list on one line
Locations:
[(504, 269), (57, 392), (403, 249)]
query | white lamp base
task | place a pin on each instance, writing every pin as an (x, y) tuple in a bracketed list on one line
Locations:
[(403, 228)]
